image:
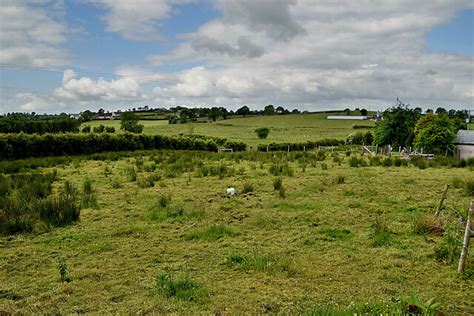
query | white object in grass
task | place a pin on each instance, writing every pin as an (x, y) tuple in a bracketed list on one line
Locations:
[(230, 191)]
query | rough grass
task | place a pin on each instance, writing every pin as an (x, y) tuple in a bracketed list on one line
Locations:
[(294, 255)]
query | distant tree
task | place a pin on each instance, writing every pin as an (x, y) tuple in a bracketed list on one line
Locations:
[(441, 110), (129, 123), (262, 132), (295, 111), (429, 111), (363, 112), (280, 110), (418, 110), (452, 113), (269, 110), (101, 111), (436, 135), (86, 116), (347, 111), (214, 113), (397, 126), (243, 111)]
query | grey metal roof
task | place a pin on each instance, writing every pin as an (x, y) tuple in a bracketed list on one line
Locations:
[(464, 137)]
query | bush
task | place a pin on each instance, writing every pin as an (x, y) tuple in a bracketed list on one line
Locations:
[(469, 187), (110, 129), (449, 249), (262, 132), (86, 129), (99, 129)]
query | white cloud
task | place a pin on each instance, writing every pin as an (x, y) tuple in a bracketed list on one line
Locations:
[(87, 89), (31, 35), (138, 19)]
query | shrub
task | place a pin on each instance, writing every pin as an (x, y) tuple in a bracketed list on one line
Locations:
[(387, 162), (146, 182), (110, 129), (99, 129), (131, 173), (182, 287), (116, 183), (63, 270), (262, 132), (164, 201), (86, 129)]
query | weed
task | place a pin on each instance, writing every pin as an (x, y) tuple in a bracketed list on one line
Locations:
[(145, 182), (164, 200), (63, 270), (182, 287), (448, 250)]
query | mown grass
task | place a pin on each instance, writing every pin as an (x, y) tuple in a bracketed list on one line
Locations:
[(312, 251)]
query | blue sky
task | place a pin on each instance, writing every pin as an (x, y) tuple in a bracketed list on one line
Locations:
[(314, 55)]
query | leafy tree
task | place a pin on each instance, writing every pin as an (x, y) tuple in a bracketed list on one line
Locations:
[(397, 126), (295, 111), (347, 111), (363, 112), (435, 134), (214, 113), (262, 132), (269, 110), (280, 110), (368, 138), (441, 110), (129, 123), (243, 111), (86, 116)]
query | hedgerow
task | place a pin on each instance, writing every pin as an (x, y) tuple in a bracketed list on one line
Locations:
[(300, 146), (17, 146)]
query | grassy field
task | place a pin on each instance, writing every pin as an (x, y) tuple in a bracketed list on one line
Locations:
[(283, 128), (334, 236)]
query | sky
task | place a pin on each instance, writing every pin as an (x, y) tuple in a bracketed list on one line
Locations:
[(72, 55)]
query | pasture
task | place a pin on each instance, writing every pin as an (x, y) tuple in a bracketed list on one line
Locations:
[(305, 233), (283, 128)]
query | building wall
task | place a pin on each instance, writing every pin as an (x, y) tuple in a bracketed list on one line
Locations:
[(464, 151)]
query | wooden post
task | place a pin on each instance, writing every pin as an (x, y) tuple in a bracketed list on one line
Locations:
[(304, 148), (467, 237), (267, 148), (288, 148), (443, 197)]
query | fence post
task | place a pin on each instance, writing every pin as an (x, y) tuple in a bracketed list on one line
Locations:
[(288, 148), (443, 197), (467, 237)]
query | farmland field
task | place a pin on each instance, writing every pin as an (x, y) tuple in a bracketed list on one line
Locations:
[(327, 235), (283, 128)]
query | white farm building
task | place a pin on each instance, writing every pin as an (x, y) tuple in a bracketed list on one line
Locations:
[(347, 117), (464, 144)]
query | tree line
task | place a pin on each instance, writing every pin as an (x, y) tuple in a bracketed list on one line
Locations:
[(433, 132), (37, 124)]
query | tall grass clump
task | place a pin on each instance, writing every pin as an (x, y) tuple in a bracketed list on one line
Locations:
[(449, 249), (88, 195), (277, 183), (182, 287), (60, 210), (381, 235), (340, 179), (469, 187), (426, 224), (131, 173), (248, 187)]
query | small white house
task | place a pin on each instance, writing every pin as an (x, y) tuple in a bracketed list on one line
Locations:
[(464, 144), (348, 117)]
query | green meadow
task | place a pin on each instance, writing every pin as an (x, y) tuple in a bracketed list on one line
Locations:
[(296, 128), (305, 233)]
